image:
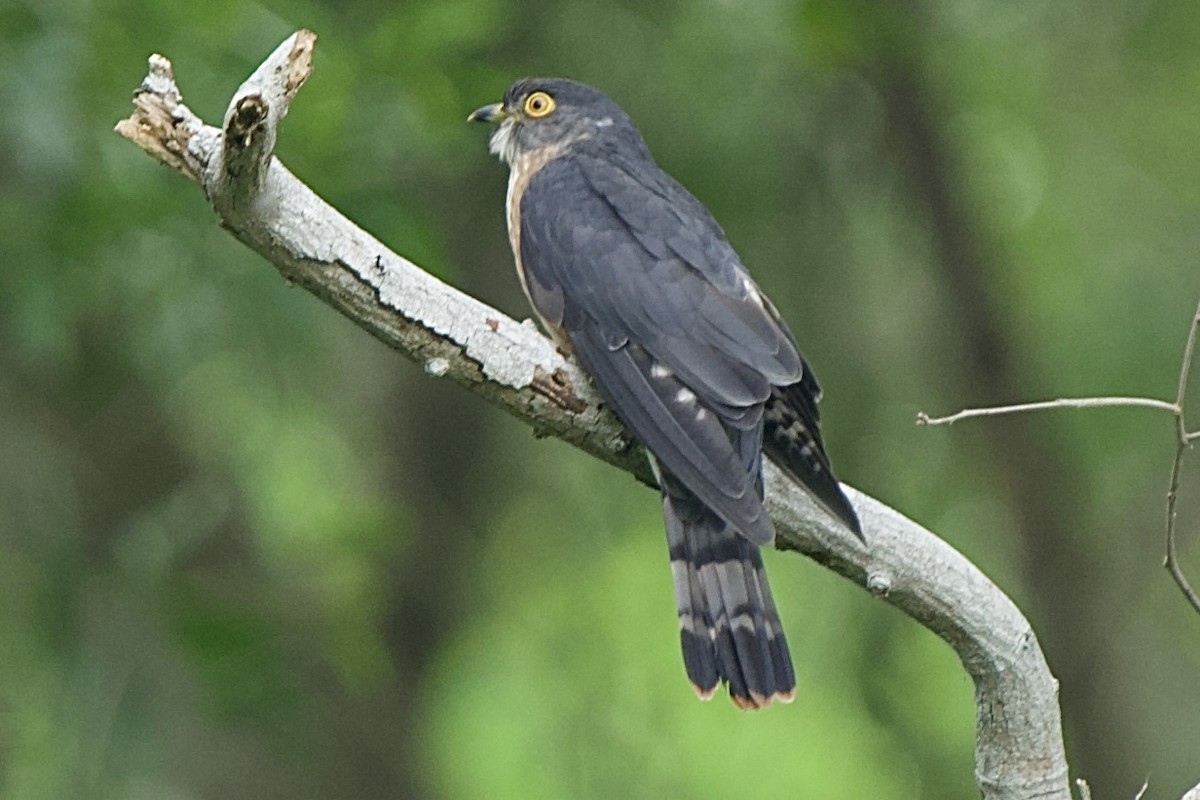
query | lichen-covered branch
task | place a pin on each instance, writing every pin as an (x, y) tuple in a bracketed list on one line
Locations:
[(1019, 751)]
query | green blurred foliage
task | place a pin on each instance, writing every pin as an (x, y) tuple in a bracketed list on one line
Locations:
[(246, 551)]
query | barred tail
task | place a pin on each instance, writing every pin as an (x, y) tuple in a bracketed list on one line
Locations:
[(728, 625)]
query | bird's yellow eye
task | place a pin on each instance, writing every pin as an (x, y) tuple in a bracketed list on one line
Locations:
[(538, 105)]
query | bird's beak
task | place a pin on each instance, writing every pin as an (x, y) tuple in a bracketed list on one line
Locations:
[(493, 113)]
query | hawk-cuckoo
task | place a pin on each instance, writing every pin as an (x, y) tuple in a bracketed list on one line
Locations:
[(633, 276)]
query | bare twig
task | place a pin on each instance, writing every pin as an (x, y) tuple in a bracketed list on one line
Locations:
[(1045, 405), (1085, 791), (1183, 440), (1018, 749)]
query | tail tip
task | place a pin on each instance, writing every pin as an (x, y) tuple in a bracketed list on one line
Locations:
[(754, 701), (750, 701)]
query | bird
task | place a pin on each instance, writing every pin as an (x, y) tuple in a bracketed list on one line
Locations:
[(633, 278)]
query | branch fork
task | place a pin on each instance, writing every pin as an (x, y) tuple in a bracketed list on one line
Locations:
[(1183, 441)]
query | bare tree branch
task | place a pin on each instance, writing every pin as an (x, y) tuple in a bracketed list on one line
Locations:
[(1019, 750), (1183, 440), (1046, 405)]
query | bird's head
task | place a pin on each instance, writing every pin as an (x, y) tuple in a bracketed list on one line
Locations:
[(541, 112)]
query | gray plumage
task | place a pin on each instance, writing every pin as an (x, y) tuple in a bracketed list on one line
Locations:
[(633, 276)]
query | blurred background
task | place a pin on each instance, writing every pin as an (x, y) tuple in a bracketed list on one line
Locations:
[(247, 551)]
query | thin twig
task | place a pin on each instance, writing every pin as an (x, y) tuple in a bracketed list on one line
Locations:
[(1065, 402), (1183, 439), (1171, 562)]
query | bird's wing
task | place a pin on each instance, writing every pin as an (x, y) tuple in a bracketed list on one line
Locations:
[(662, 315), (792, 439), (641, 255)]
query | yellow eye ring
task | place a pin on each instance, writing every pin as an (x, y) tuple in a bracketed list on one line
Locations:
[(538, 105)]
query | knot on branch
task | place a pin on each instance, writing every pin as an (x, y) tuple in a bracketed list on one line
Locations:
[(248, 117)]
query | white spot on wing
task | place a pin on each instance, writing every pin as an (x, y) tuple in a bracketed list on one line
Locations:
[(686, 396), (660, 371), (752, 291), (604, 123)]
